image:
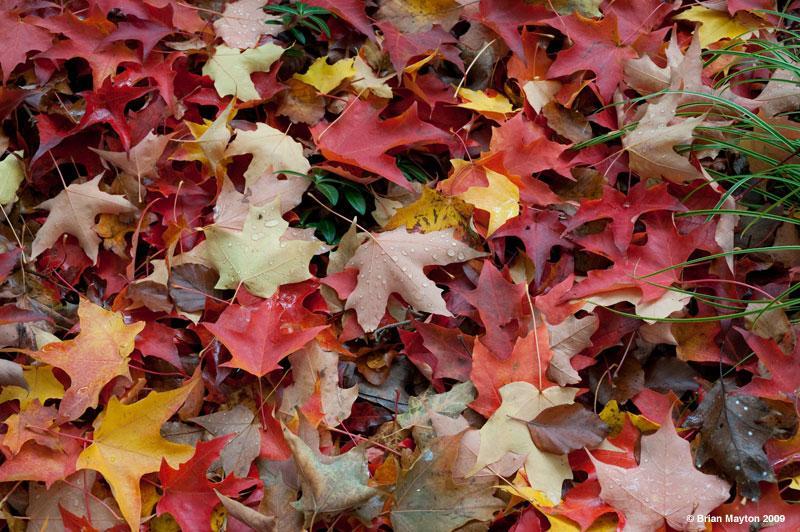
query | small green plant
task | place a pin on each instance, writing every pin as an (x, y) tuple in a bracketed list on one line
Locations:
[(297, 16)]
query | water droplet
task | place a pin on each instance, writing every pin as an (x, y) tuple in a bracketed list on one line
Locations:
[(746, 408), (426, 284), (271, 223), (427, 249), (451, 253), (460, 256), (283, 244), (737, 468), (404, 269), (454, 244)]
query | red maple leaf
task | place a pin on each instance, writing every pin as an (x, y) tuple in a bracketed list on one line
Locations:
[(259, 337), (360, 138), (596, 46), (188, 494), (623, 211)]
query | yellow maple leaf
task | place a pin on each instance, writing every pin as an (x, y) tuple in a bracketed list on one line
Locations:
[(42, 385), (128, 444), (715, 25), (210, 141), (98, 354), (325, 77), (615, 419), (432, 211), (500, 199), (491, 105), (113, 231), (230, 69)]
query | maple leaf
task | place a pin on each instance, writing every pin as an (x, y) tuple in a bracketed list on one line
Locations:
[(427, 497), (714, 25), (259, 337), (432, 211), (73, 212), (272, 151), (243, 22), (325, 77), (402, 47), (596, 46), (392, 262), (71, 496), (664, 487), (315, 372), (106, 105), (500, 198), (651, 146), (243, 446), (22, 37), (539, 231), (499, 305), (127, 444), (623, 211), (188, 495), (230, 69), (359, 138), (40, 385), (257, 256), (232, 206), (507, 432), (527, 362), (94, 357), (140, 161), (32, 423), (783, 380), (733, 430), (330, 484), (567, 339)]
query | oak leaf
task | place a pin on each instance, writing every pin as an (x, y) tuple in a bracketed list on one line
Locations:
[(73, 211), (664, 487), (94, 357), (392, 262), (127, 444)]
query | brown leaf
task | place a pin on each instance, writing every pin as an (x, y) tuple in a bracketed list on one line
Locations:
[(73, 212), (733, 431), (245, 514), (564, 428)]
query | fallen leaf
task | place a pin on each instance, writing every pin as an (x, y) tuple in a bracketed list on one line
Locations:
[(392, 262), (507, 432), (245, 442), (73, 212), (257, 257), (127, 444), (243, 22), (428, 497), (272, 151), (733, 430), (325, 77), (98, 354), (664, 487), (330, 484), (565, 428), (230, 69)]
